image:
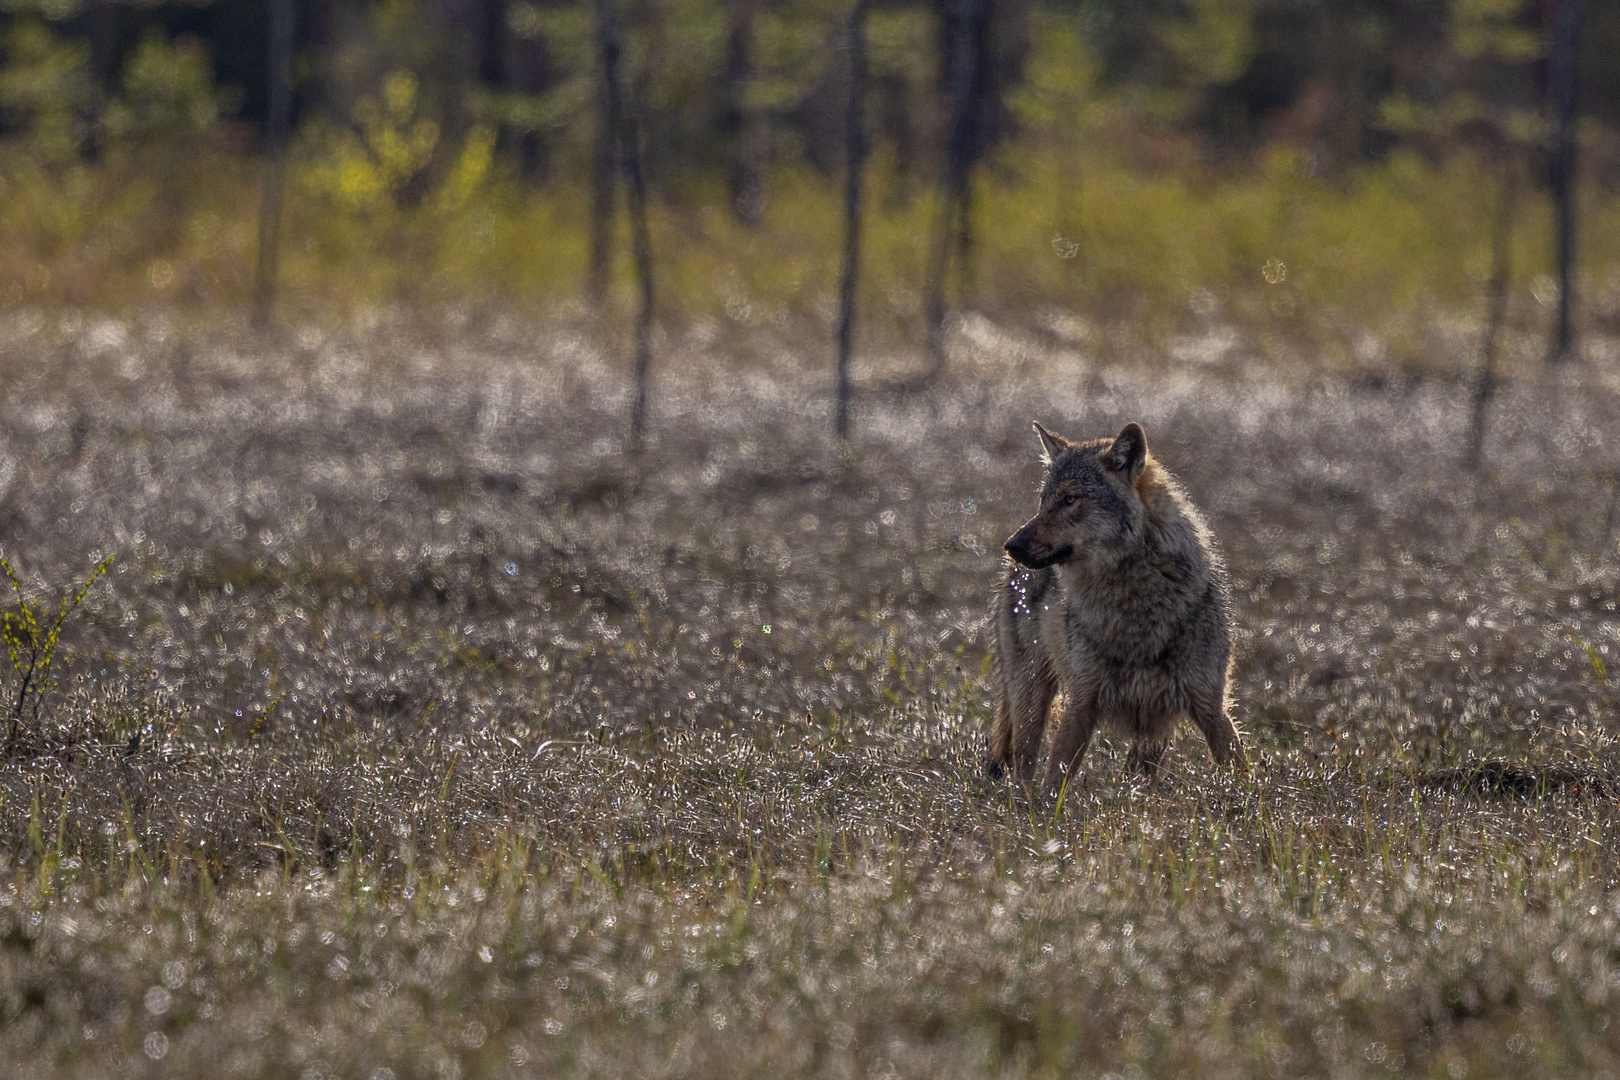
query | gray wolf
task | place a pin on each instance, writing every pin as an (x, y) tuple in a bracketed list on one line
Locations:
[(1114, 594)]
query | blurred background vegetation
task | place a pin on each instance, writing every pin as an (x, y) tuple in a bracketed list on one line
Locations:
[(1298, 173)]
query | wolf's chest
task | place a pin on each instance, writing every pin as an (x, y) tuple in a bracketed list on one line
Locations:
[(1130, 620)]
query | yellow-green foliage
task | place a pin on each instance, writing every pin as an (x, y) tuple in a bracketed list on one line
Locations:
[(31, 633), (1086, 212), (369, 169), (1385, 249)]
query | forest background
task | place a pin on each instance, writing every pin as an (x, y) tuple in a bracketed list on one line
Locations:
[(1295, 175)]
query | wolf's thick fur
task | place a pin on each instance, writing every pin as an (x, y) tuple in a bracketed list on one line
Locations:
[(1113, 594)]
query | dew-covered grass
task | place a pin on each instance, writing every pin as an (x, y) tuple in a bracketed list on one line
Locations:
[(418, 732)]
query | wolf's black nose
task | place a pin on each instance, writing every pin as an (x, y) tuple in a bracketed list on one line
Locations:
[(1018, 548)]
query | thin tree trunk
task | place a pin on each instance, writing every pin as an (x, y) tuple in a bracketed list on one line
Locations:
[(854, 166), (277, 124), (323, 31), (103, 19), (1563, 79), (967, 23), (492, 60), (746, 119), (939, 260), (966, 280), (602, 156), (527, 75), (629, 144), (492, 43), (1496, 308), (641, 245)]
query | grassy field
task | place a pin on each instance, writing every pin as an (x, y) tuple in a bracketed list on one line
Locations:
[(416, 732)]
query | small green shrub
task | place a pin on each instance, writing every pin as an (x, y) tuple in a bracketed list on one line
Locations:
[(31, 632)]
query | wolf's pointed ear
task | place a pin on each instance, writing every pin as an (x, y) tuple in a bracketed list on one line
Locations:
[(1051, 445), (1128, 455)]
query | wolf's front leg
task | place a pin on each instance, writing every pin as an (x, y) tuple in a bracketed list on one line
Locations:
[(1031, 701), (1074, 733)]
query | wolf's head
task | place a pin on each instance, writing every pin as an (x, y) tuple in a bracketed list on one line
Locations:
[(1091, 499)]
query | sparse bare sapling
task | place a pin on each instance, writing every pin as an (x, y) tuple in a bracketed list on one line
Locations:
[(1563, 77), (1496, 307), (854, 165), (32, 633), (275, 162)]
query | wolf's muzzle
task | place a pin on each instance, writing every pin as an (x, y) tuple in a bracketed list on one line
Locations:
[(1023, 552)]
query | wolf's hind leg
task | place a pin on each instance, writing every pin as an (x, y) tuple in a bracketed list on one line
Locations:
[(1030, 700), (1209, 715)]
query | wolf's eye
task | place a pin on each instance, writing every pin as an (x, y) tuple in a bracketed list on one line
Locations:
[(1069, 499)]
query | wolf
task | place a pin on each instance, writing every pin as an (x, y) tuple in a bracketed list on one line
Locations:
[(1113, 593)]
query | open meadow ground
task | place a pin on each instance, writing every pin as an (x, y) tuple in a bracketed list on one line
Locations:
[(417, 733)]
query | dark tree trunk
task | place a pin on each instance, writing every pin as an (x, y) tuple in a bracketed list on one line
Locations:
[(495, 66), (527, 75), (277, 125), (492, 43), (964, 43), (1563, 85), (103, 25), (321, 33), (966, 280), (641, 248), (746, 121), (602, 154), (1496, 308), (894, 121), (321, 25), (627, 136), (934, 311), (854, 166)]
